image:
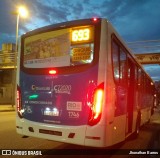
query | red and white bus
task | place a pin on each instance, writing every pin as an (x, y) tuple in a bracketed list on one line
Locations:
[(78, 83)]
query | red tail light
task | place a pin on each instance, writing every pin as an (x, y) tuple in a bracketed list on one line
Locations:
[(96, 108), (52, 72), (19, 106)]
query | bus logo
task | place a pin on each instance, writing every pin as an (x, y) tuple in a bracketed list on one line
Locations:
[(62, 89), (74, 106), (36, 88)]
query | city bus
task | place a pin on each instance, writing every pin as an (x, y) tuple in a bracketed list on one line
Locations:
[(79, 83)]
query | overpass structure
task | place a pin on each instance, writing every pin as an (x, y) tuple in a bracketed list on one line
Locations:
[(148, 58), (8, 58), (8, 66), (150, 51)]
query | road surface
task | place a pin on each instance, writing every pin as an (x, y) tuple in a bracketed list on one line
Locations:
[(149, 138)]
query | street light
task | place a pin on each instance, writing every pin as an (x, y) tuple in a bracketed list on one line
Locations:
[(21, 12)]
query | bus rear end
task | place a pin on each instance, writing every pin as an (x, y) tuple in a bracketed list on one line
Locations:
[(59, 96)]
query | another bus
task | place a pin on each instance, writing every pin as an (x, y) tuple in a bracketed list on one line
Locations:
[(78, 83)]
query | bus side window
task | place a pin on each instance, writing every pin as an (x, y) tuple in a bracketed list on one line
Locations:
[(115, 59), (119, 59), (123, 70)]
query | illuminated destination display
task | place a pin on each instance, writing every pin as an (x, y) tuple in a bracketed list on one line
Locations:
[(83, 53), (81, 35)]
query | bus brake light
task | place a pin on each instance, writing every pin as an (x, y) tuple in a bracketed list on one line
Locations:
[(52, 72), (96, 108), (97, 103)]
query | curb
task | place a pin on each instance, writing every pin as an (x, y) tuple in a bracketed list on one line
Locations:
[(6, 108)]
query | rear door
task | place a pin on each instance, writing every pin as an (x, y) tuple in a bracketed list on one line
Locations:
[(131, 95)]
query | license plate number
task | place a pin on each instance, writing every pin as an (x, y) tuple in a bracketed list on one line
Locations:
[(51, 113)]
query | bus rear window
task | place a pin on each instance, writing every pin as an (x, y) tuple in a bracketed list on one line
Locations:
[(60, 48)]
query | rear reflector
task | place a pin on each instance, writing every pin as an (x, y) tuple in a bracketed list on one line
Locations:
[(71, 135), (91, 137)]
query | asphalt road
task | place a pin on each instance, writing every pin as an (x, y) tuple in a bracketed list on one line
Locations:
[(149, 138), (9, 139)]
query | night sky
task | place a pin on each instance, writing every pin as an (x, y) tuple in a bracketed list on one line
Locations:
[(134, 20)]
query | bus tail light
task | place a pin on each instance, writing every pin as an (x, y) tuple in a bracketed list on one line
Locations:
[(19, 105), (96, 108), (52, 72)]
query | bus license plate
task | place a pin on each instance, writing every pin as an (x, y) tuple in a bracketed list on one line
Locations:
[(51, 113)]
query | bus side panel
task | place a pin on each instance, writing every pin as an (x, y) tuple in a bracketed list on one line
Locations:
[(145, 115), (96, 135), (109, 87), (118, 129), (116, 125)]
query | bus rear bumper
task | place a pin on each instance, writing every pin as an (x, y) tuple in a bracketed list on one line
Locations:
[(80, 135), (67, 134)]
